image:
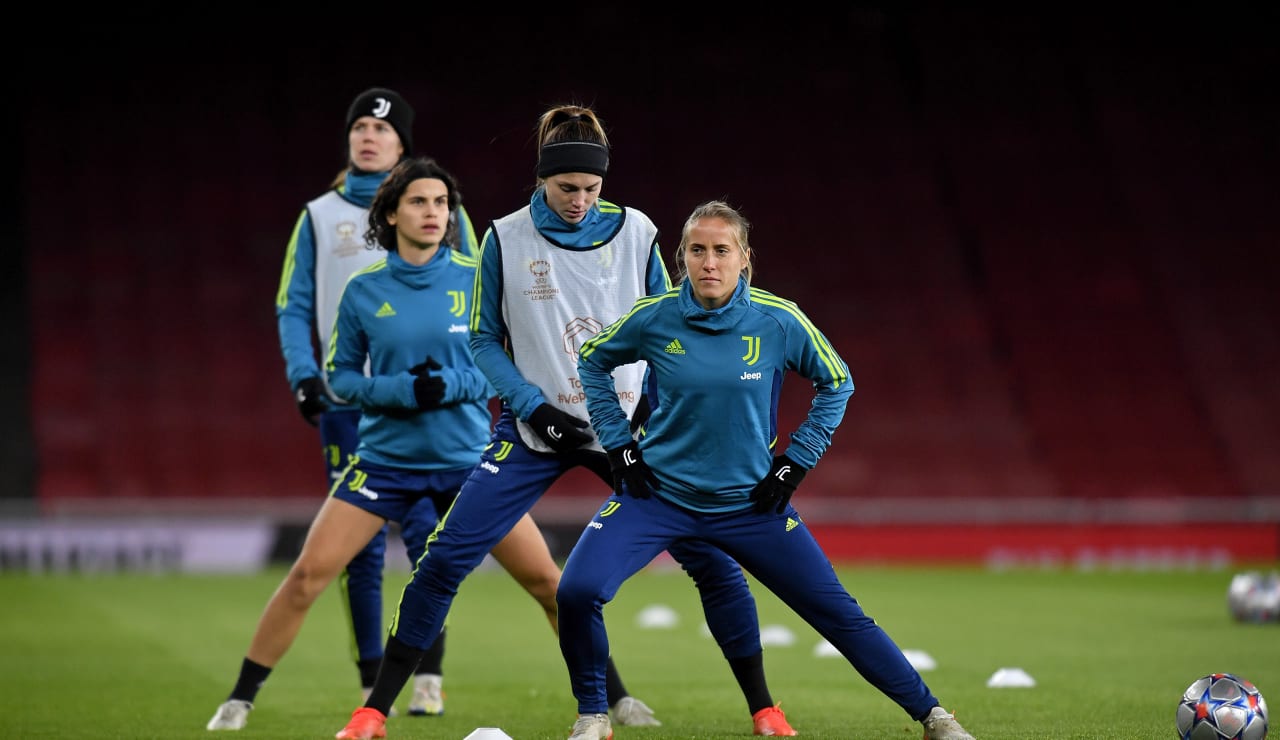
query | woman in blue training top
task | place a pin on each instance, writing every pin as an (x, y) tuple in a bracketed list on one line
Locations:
[(553, 273), (325, 248), (399, 352), (705, 467)]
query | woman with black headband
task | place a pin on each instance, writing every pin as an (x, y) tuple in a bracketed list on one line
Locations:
[(553, 274)]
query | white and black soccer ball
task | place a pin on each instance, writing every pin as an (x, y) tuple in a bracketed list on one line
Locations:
[(1222, 706), (1254, 597)]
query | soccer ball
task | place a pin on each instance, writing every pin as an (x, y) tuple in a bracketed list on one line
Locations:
[(1222, 706), (1254, 597)]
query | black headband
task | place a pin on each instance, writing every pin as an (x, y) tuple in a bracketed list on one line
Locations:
[(573, 156)]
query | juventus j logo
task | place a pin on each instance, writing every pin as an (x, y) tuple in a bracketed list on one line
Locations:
[(382, 109), (628, 459), (504, 449), (459, 302), (753, 350)]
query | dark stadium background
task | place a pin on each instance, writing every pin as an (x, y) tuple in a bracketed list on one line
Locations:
[(1045, 240)]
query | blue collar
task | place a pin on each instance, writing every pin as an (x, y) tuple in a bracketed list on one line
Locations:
[(360, 187), (715, 320), (594, 228)]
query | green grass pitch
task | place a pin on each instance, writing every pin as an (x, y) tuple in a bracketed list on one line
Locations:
[(151, 656)]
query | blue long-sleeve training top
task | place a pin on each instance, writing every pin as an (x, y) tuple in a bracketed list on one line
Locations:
[(396, 315), (714, 382)]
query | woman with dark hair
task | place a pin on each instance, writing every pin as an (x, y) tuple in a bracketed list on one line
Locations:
[(324, 249), (399, 352)]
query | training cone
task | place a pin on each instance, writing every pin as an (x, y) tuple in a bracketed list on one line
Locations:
[(1008, 678), (487, 733)]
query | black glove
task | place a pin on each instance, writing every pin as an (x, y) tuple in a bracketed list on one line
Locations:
[(562, 432), (312, 399), (428, 389), (775, 490), (640, 416), (628, 467)]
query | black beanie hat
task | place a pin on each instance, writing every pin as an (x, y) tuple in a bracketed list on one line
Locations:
[(380, 102)]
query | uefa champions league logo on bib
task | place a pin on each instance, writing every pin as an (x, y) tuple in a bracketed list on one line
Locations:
[(542, 289)]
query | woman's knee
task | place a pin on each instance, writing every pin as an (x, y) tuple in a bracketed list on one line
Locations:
[(542, 587), (305, 583)]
